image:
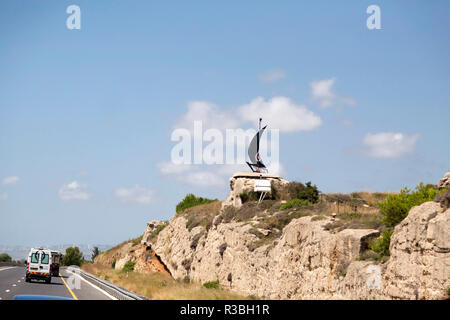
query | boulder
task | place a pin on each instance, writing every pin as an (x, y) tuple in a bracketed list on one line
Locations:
[(444, 181), (420, 255), (152, 226)]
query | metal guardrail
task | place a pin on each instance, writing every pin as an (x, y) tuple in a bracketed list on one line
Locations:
[(115, 291)]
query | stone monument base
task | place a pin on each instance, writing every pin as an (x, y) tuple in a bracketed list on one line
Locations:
[(244, 182)]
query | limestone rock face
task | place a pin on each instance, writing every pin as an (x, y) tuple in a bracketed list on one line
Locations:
[(107, 258), (305, 261), (244, 182), (445, 181), (145, 259), (309, 262), (151, 227), (420, 255), (302, 264)]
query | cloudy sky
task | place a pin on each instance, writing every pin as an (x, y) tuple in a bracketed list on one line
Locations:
[(86, 116)]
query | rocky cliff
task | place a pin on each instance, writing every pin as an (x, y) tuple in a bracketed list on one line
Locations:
[(305, 259)]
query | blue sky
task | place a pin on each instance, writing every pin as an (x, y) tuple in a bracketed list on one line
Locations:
[(86, 115)]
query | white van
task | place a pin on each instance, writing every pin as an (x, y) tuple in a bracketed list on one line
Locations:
[(39, 265)]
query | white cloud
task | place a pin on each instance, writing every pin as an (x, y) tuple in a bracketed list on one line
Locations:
[(277, 168), (389, 144), (323, 92), (170, 168), (10, 180), (210, 115), (272, 75), (74, 191), (135, 194), (196, 175), (214, 175), (203, 178), (227, 170), (3, 196), (282, 114)]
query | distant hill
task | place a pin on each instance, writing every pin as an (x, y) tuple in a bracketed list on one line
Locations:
[(20, 252)]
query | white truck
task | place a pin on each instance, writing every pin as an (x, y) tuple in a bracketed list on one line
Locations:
[(56, 261), (40, 263)]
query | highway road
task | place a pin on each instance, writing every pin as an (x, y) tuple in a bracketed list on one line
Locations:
[(12, 282)]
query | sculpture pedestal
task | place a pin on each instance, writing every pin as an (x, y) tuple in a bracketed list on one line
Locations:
[(244, 182)]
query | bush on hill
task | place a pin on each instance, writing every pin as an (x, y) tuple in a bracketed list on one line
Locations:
[(191, 201)]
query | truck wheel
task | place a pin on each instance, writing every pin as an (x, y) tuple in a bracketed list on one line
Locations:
[(27, 279), (49, 280)]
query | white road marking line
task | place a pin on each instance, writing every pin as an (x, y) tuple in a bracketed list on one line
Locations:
[(14, 285), (23, 277), (7, 290), (94, 286), (2, 269), (18, 280)]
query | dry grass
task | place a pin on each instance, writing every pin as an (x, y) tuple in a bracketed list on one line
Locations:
[(157, 286), (356, 221), (201, 215)]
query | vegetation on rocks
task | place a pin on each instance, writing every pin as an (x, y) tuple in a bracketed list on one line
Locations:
[(356, 220), (381, 245), (308, 192), (212, 284), (129, 266), (201, 215), (249, 196), (294, 203), (396, 206), (158, 230), (393, 210), (191, 201)]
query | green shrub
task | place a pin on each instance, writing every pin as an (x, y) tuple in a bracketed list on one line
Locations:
[(396, 206), (308, 192), (249, 196), (129, 266), (4, 257), (381, 245), (191, 201), (211, 284), (73, 256), (368, 255), (95, 253), (158, 230), (113, 264), (294, 204)]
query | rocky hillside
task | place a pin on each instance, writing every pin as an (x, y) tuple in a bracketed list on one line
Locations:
[(297, 253), (145, 259)]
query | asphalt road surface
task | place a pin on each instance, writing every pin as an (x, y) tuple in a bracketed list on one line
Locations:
[(12, 282)]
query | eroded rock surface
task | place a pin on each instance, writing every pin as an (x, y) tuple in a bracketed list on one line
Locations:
[(420, 255)]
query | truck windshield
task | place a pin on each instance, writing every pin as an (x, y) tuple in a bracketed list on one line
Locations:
[(44, 258), (35, 257)]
